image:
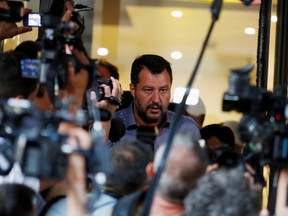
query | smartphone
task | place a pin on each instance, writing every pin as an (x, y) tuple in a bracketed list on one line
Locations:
[(32, 20), (30, 68)]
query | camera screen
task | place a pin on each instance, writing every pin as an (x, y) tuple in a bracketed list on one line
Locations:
[(33, 20), (30, 68)]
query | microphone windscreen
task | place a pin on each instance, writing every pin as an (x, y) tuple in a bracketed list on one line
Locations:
[(117, 129)]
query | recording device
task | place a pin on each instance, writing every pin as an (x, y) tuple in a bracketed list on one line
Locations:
[(31, 138), (147, 135), (30, 68), (57, 36), (117, 130), (263, 126), (224, 156), (100, 90), (32, 20), (13, 13)]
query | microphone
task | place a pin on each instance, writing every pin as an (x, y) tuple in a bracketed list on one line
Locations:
[(117, 130)]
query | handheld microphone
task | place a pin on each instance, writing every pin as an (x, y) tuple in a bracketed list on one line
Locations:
[(117, 130)]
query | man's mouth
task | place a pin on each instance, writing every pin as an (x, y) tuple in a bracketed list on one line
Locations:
[(154, 107)]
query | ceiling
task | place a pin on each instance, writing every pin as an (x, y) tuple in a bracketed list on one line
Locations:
[(133, 27)]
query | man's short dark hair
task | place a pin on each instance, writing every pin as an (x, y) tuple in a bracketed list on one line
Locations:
[(154, 63), (128, 166), (11, 81), (110, 67), (17, 200), (223, 133), (224, 192)]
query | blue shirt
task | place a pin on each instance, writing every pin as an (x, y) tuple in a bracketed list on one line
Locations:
[(104, 205), (185, 125)]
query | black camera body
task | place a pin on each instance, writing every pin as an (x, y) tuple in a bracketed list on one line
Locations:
[(31, 138), (100, 90), (56, 39), (263, 126), (13, 13)]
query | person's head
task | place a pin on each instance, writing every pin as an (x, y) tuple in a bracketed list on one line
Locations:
[(106, 69), (30, 48), (128, 163), (151, 80), (217, 135), (11, 81), (17, 200), (186, 163), (224, 192)]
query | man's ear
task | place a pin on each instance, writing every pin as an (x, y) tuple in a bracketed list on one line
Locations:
[(150, 170), (132, 89)]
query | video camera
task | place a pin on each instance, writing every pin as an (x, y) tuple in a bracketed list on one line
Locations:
[(13, 12), (30, 137), (55, 53), (263, 126)]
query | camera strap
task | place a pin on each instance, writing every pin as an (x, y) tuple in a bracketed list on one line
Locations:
[(113, 100)]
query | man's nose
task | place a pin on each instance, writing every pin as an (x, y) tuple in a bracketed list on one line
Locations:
[(156, 97)]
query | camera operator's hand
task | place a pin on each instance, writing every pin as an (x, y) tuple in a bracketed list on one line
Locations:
[(115, 94), (68, 13), (9, 30)]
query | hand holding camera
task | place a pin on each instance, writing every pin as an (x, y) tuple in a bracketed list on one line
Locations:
[(12, 12), (106, 94)]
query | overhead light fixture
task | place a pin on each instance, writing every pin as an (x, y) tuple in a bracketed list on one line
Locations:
[(250, 31), (102, 51), (274, 18), (177, 13), (176, 55)]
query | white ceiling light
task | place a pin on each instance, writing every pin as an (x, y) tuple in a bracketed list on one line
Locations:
[(274, 18), (176, 55), (102, 51), (176, 13), (250, 31)]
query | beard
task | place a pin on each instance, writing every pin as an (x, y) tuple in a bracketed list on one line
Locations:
[(143, 112)]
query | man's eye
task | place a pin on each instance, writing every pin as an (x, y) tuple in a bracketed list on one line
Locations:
[(147, 90), (163, 90)]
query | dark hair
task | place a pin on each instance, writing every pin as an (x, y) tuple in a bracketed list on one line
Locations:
[(224, 192), (110, 67), (223, 133), (128, 166), (11, 81), (30, 48), (16, 200), (154, 63)]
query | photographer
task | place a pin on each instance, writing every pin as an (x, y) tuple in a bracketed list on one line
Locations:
[(10, 29)]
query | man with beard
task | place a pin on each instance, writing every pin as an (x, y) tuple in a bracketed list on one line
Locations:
[(151, 81)]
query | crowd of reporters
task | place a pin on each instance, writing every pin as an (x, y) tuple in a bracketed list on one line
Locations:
[(192, 183)]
